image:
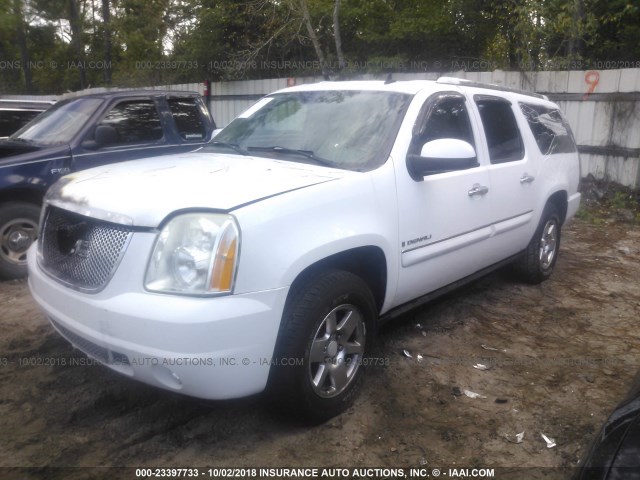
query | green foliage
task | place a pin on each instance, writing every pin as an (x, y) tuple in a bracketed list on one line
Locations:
[(615, 34), (606, 202), (167, 41)]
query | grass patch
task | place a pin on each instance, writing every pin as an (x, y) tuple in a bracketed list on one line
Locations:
[(606, 202)]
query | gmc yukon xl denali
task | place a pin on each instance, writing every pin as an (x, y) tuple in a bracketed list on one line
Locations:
[(268, 259), (82, 132)]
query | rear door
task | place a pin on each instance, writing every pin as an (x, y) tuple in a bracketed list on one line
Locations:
[(512, 170)]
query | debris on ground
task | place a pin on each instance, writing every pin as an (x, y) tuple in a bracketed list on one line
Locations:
[(489, 348), (550, 441), (517, 438), (471, 394)]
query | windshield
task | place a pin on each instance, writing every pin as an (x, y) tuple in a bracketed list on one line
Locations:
[(59, 124), (352, 130)]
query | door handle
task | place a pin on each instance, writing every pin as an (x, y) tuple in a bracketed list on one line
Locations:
[(478, 189), (526, 178)]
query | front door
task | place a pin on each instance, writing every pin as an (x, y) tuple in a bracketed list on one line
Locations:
[(445, 218), (135, 130)]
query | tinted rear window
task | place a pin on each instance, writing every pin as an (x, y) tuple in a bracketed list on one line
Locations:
[(500, 129), (187, 116)]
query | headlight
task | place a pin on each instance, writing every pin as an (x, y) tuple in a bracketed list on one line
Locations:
[(195, 253)]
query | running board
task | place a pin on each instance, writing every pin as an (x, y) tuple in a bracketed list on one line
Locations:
[(406, 307)]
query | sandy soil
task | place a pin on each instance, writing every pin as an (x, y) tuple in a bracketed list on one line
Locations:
[(560, 356)]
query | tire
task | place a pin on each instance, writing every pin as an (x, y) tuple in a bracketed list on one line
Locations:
[(538, 260), (327, 329), (18, 230)]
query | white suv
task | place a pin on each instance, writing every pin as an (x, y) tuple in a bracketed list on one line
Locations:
[(268, 259)]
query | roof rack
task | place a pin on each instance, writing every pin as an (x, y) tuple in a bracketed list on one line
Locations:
[(489, 86)]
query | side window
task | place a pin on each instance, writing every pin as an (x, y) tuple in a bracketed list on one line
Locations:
[(135, 121), (447, 118), (550, 129), (186, 115), (501, 130)]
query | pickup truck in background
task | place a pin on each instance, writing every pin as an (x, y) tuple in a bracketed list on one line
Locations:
[(82, 132)]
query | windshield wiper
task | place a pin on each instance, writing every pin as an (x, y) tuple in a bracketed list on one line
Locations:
[(232, 146), (303, 153), (20, 140)]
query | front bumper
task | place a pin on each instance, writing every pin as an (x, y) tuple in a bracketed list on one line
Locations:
[(212, 348)]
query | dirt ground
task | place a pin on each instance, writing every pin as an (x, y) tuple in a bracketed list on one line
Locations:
[(560, 356)]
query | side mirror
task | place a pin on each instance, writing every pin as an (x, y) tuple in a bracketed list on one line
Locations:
[(442, 155), (103, 135)]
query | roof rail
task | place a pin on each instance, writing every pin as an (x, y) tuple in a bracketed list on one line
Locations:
[(9, 101), (489, 86)]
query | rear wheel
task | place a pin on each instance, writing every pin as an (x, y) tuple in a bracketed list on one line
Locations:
[(18, 230), (538, 260), (327, 330)]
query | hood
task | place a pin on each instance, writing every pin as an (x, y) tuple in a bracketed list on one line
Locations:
[(11, 148), (143, 192), (16, 154)]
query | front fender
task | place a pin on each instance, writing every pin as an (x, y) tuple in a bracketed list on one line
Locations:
[(33, 172), (284, 235)]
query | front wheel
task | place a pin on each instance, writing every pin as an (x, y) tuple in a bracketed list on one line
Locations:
[(326, 331), (18, 230), (537, 262)]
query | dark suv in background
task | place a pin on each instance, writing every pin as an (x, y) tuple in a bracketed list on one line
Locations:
[(86, 131), (14, 114)]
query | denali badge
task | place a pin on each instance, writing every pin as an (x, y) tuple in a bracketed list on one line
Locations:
[(416, 240)]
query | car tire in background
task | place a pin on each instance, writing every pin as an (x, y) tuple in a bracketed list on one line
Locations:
[(18, 230)]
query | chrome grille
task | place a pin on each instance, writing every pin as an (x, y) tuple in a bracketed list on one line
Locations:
[(80, 251)]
